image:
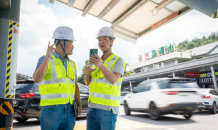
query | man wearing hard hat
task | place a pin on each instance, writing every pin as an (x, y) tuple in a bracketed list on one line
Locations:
[(57, 78), (105, 83)]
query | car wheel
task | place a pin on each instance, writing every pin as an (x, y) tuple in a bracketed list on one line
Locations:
[(213, 110), (187, 116), (21, 119), (153, 111), (126, 108)]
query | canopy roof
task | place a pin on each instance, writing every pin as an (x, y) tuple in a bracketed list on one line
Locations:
[(131, 19)]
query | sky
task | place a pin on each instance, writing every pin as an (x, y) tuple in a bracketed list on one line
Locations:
[(39, 18)]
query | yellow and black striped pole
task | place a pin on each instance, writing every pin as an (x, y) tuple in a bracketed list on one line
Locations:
[(9, 34), (6, 114), (215, 15)]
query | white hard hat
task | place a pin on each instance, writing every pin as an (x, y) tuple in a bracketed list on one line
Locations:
[(106, 31), (64, 33)]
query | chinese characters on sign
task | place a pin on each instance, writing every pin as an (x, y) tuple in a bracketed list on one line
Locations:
[(156, 53), (146, 56), (140, 58), (161, 51), (153, 53)]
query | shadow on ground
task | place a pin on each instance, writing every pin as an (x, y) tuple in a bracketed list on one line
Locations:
[(164, 120), (30, 123)]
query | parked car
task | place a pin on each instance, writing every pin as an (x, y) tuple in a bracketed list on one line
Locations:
[(27, 100), (209, 100), (122, 95), (163, 96)]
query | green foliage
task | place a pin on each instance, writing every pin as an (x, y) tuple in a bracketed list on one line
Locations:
[(81, 78), (196, 42)]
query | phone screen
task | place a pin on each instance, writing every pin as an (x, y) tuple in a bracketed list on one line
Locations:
[(92, 52)]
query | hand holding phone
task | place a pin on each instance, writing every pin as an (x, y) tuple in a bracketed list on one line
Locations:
[(92, 52)]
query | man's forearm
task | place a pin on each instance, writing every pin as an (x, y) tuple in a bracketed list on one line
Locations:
[(111, 77), (39, 73), (87, 79)]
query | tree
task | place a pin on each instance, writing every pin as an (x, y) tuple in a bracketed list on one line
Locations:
[(196, 42), (191, 45), (81, 78)]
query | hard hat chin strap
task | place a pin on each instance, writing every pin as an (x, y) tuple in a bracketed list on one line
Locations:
[(107, 49), (62, 47)]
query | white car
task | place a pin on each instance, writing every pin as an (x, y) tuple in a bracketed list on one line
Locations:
[(163, 96), (122, 95), (209, 100)]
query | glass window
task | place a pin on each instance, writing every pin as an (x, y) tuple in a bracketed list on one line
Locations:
[(163, 84), (167, 84), (83, 89), (169, 63), (142, 87), (150, 68), (212, 92), (36, 87)]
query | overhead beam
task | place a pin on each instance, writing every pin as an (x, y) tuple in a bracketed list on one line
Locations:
[(181, 12), (107, 9), (163, 4), (156, 4), (88, 7), (125, 34), (126, 14), (207, 7)]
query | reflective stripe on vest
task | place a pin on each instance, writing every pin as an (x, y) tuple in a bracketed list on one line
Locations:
[(104, 80), (104, 107), (105, 96), (54, 96), (53, 81)]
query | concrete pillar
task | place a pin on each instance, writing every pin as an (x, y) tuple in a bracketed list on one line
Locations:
[(174, 76), (176, 62), (162, 65), (9, 31), (214, 77), (130, 86)]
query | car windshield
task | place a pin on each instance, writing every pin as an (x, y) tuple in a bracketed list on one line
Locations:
[(83, 89), (24, 88)]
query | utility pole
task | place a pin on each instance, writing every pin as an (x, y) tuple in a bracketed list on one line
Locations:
[(9, 32)]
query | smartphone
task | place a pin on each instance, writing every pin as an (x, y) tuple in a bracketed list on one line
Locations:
[(92, 52)]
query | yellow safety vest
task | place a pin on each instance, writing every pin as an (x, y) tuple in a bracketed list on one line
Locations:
[(101, 92), (57, 87)]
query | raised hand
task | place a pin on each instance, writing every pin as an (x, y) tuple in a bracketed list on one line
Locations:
[(88, 70), (50, 50), (97, 62)]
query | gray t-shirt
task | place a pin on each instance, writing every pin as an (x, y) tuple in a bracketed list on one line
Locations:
[(119, 68)]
